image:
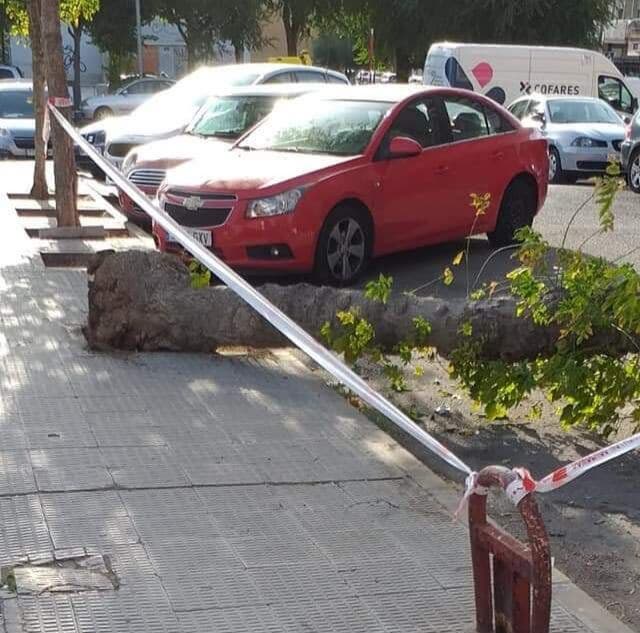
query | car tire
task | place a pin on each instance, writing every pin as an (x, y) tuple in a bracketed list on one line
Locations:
[(102, 113), (344, 246), (633, 172), (516, 211), (556, 175)]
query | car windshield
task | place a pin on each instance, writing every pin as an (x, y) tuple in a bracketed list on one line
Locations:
[(229, 117), (16, 104), (574, 111), (336, 127), (185, 98)]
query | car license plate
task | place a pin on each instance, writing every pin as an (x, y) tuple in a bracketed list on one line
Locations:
[(203, 237)]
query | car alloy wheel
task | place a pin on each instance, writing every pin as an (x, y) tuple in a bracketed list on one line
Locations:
[(634, 173), (346, 249), (553, 165)]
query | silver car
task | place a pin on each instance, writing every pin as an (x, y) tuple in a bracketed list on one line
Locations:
[(124, 100), (584, 134), (17, 119)]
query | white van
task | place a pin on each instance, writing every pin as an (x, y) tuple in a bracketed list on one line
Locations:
[(505, 72)]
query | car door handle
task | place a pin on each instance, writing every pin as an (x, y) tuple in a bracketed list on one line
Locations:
[(442, 170), (499, 155)]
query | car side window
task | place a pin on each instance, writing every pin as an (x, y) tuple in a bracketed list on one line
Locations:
[(518, 109), (136, 88), (5, 73), (467, 118), (280, 78), (420, 121), (496, 122), (308, 76), (336, 80), (615, 93)]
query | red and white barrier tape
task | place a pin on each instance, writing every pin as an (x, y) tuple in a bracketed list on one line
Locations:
[(258, 302), (516, 491)]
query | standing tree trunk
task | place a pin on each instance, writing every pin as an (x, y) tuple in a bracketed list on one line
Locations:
[(39, 189), (291, 29), (76, 34), (64, 162)]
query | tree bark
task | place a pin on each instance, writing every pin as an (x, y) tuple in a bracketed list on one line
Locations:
[(291, 29), (76, 33), (39, 188), (144, 301), (64, 163)]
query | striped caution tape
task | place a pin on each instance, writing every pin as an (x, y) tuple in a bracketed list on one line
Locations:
[(258, 302), (516, 491)]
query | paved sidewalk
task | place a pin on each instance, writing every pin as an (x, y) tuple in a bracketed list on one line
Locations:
[(227, 494)]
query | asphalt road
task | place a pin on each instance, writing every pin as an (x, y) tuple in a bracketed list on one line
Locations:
[(422, 267)]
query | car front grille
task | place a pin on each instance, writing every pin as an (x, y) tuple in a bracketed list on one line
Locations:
[(24, 143), (200, 218), (617, 144), (119, 150), (147, 177)]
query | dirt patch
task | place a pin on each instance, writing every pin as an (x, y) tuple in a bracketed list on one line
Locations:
[(594, 522)]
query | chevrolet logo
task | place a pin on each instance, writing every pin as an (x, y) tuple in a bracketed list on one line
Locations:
[(192, 203)]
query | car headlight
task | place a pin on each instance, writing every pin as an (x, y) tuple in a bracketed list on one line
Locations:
[(129, 161), (275, 205), (585, 141)]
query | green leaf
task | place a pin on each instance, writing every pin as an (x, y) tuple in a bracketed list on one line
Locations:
[(447, 276)]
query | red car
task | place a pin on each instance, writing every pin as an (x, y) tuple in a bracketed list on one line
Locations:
[(331, 180)]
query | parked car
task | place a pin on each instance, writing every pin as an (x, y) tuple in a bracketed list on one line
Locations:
[(125, 99), (630, 154), (170, 112), (10, 72), (583, 133), (220, 122), (329, 181), (507, 72), (17, 119)]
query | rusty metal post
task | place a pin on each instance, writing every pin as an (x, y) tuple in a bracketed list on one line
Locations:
[(516, 597)]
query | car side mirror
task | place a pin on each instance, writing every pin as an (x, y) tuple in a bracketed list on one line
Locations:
[(404, 147), (627, 120), (539, 117), (634, 104), (124, 92)]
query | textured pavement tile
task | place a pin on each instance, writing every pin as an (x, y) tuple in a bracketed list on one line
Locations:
[(186, 553), (38, 411), (47, 614), (445, 611), (23, 528), (211, 588), (328, 616), (269, 552), (167, 527), (149, 476), (301, 583), (71, 531), (207, 473), (242, 524), (59, 434), (127, 611), (109, 404), (351, 546), (252, 619), (16, 473), (223, 499), (402, 575), (161, 502), (128, 435), (82, 504), (72, 477), (312, 496)]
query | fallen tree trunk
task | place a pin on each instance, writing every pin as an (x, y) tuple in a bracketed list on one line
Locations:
[(144, 301)]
